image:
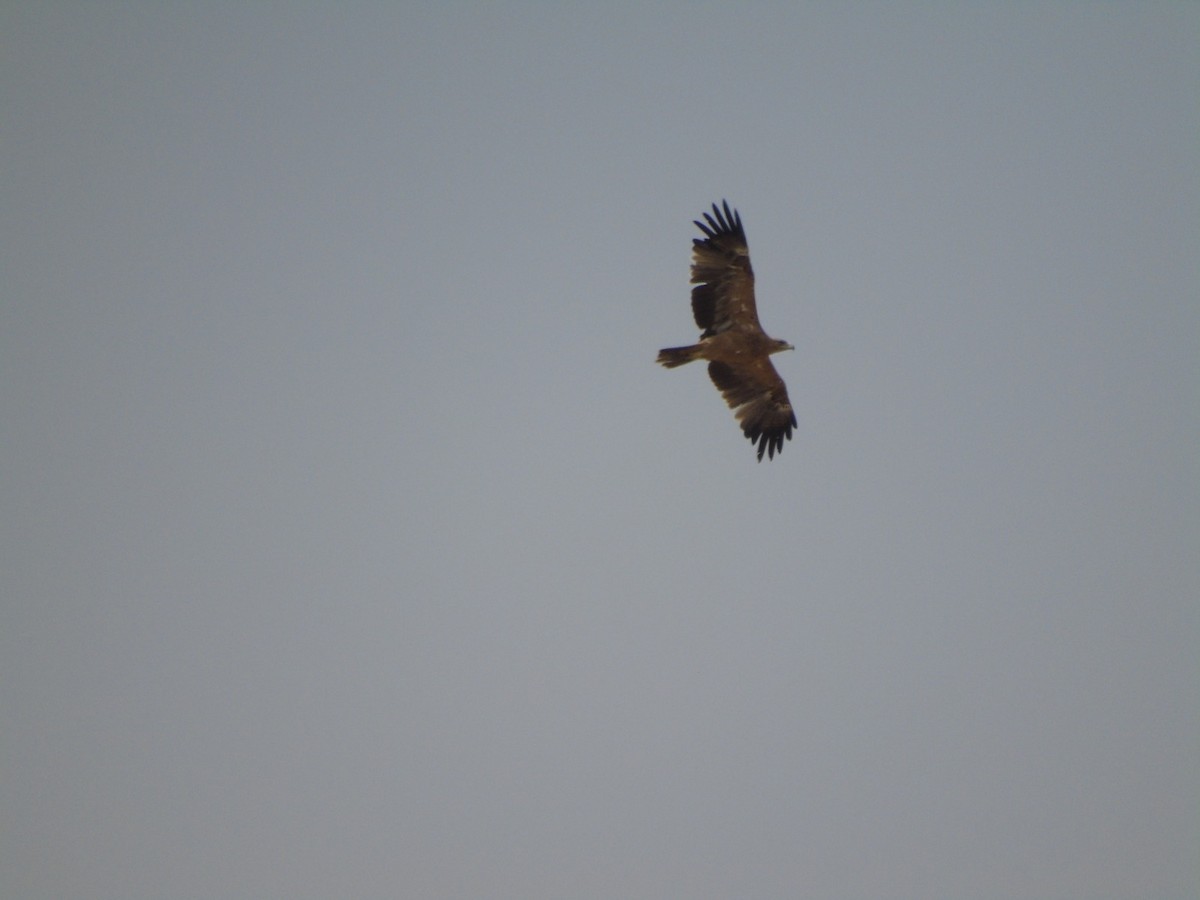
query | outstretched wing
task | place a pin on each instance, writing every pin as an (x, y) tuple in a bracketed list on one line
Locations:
[(723, 296), (758, 397)]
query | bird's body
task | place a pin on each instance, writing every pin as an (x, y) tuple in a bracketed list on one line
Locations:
[(733, 342)]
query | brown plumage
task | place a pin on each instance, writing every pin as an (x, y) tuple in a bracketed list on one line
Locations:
[(736, 347)]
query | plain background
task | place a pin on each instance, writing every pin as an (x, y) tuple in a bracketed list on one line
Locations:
[(354, 546)]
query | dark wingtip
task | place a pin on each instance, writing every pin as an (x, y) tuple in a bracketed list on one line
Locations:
[(732, 216), (724, 219), (771, 441)]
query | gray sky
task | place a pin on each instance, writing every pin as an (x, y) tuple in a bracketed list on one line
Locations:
[(354, 546)]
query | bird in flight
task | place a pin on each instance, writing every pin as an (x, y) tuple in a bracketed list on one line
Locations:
[(734, 343)]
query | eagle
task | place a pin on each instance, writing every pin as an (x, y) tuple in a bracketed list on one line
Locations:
[(734, 343)]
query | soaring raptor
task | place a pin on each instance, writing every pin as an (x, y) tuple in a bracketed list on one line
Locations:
[(736, 347)]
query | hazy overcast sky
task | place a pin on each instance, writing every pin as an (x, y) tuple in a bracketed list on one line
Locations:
[(353, 545)]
